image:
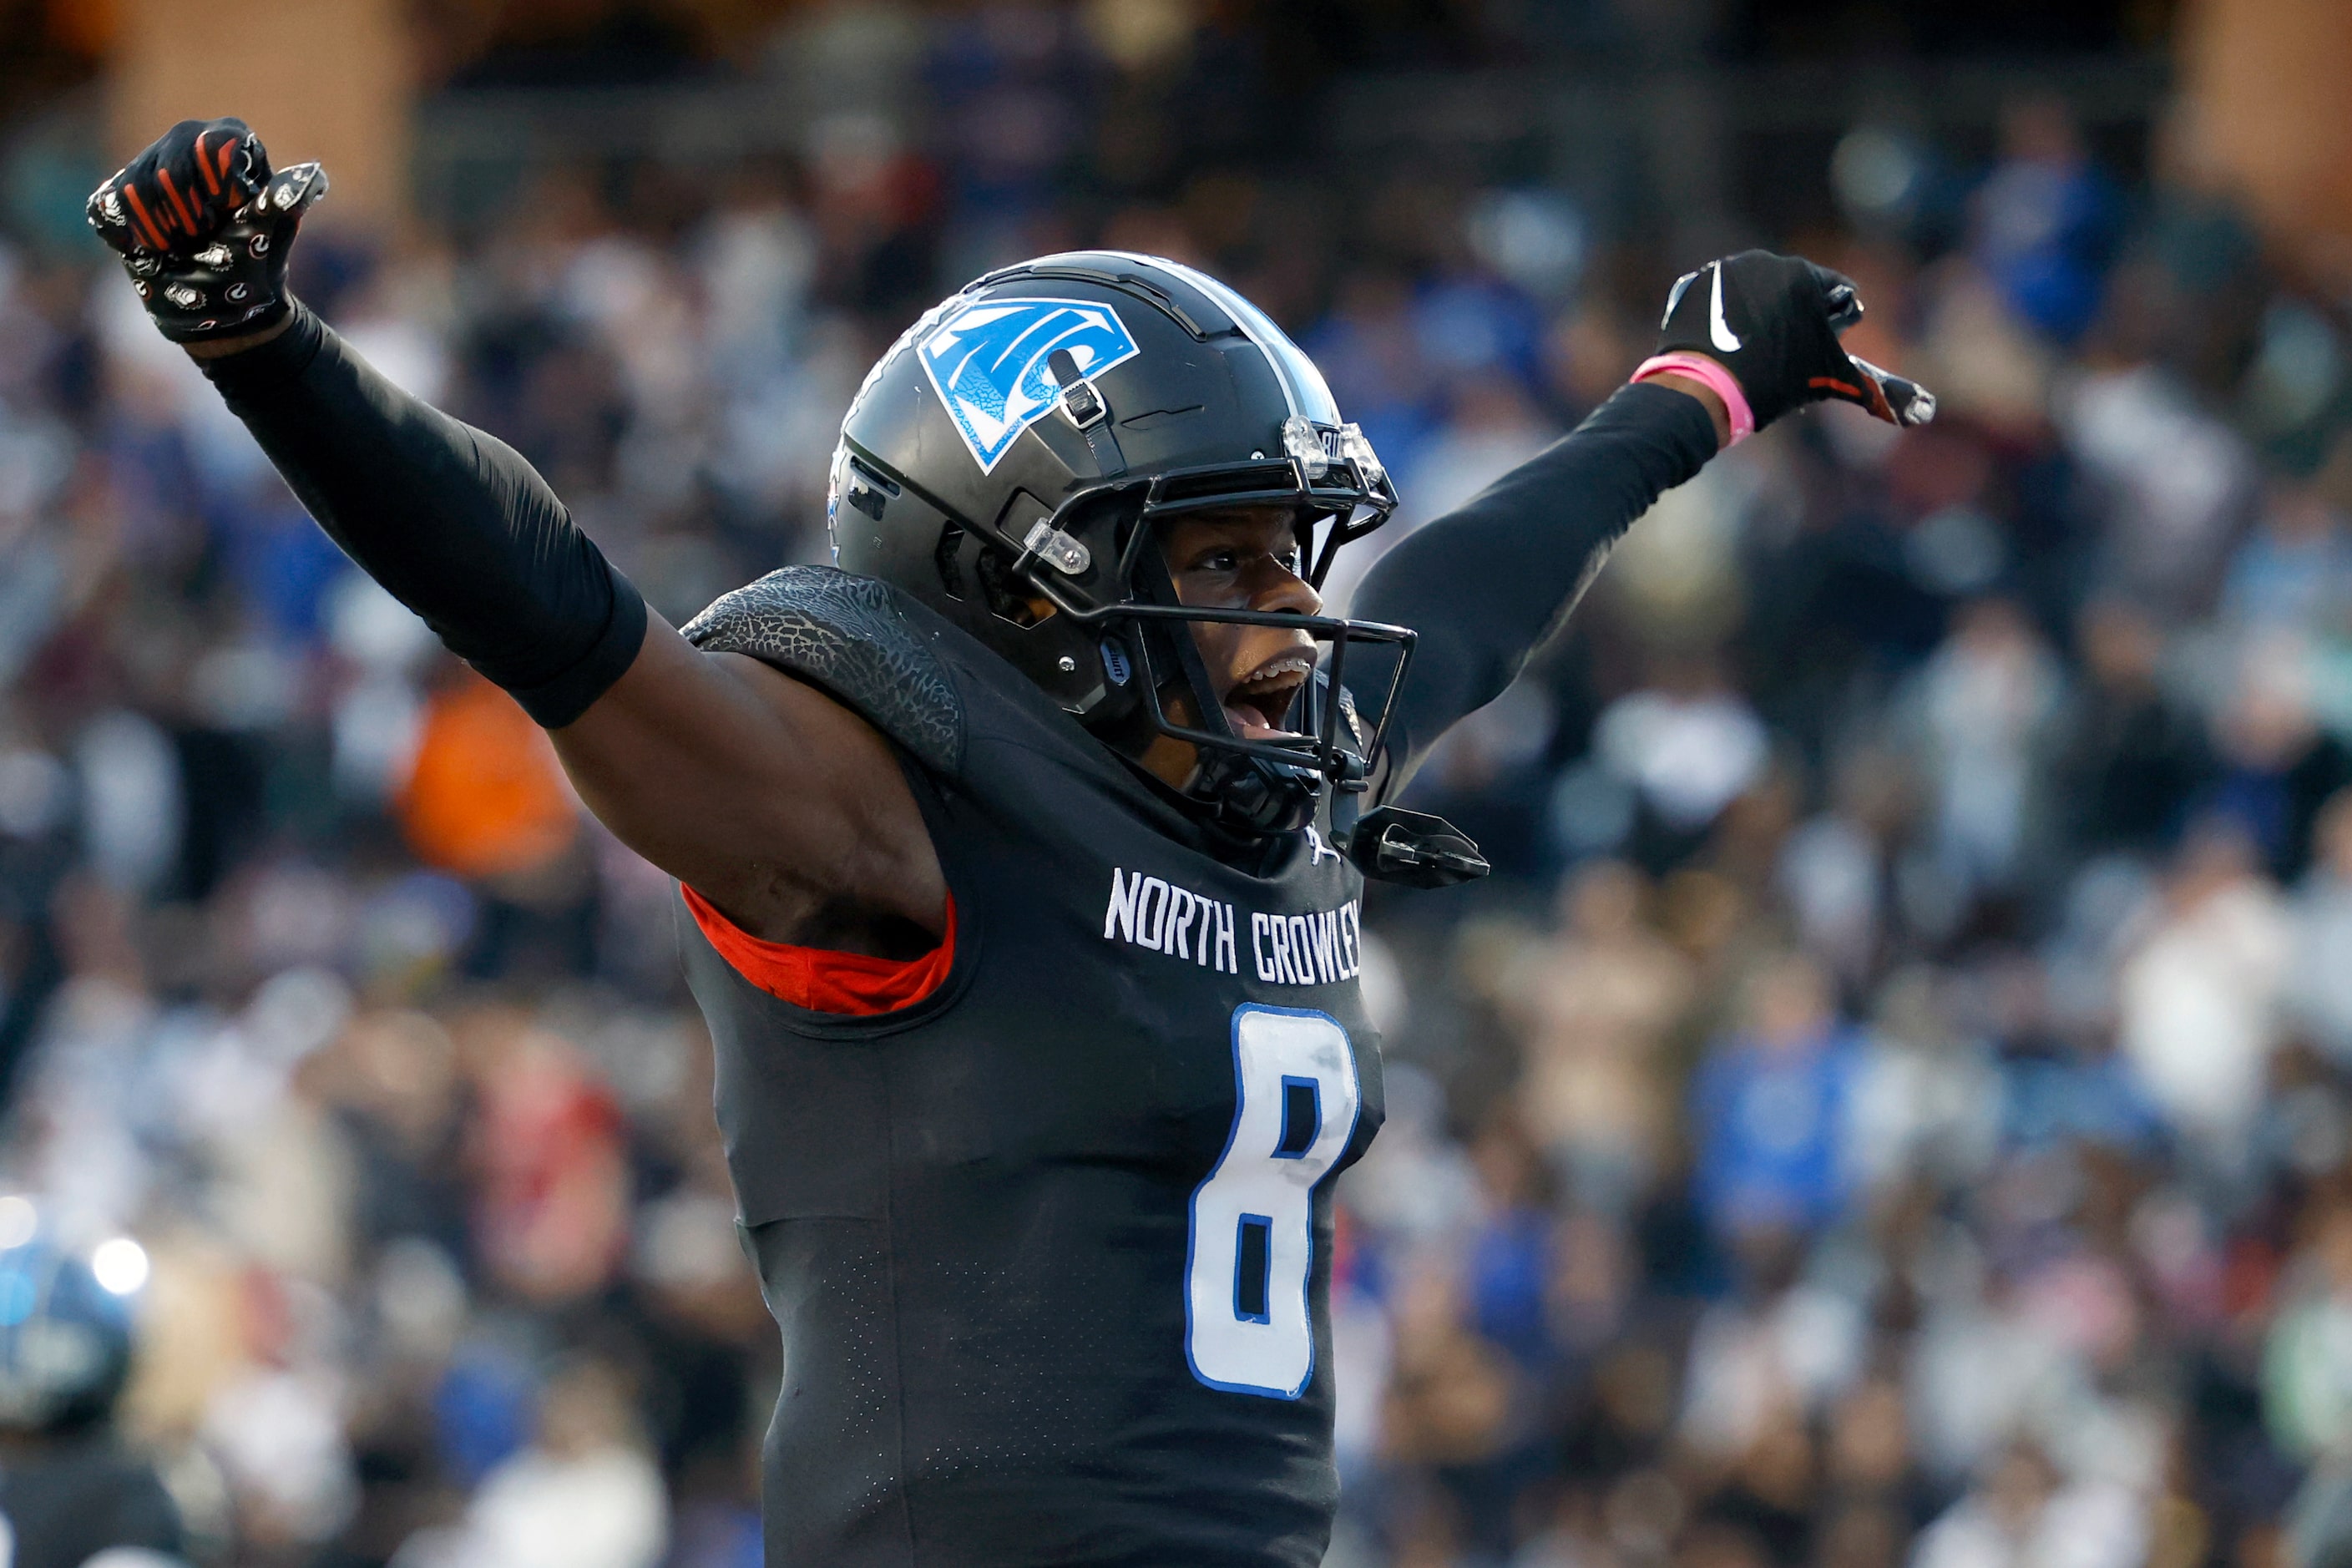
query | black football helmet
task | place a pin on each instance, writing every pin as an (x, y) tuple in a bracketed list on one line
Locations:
[(65, 1341), (1005, 463)]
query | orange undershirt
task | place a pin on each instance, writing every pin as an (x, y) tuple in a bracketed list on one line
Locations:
[(820, 979)]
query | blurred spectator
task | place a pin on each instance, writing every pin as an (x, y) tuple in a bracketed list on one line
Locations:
[(2319, 980), (1770, 1358), (551, 1192), (1833, 869), (2307, 1362), (2044, 219), (2026, 1515), (1597, 1004), (1493, 427), (2134, 756), (1770, 1108), (1687, 745), (2295, 571), (2278, 766), (1371, 355), (584, 1495), (1985, 706), (484, 795), (2198, 1002), (2173, 481)]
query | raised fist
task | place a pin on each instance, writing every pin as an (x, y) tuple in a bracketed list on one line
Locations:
[(1773, 321), (202, 227)]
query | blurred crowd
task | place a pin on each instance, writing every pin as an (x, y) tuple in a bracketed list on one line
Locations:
[(1892, 1105)]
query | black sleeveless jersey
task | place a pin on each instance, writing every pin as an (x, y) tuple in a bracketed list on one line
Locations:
[(1050, 1248)]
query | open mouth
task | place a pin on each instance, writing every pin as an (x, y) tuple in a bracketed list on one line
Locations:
[(1258, 704)]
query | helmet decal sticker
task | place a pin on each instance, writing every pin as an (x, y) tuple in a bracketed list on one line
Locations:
[(987, 363)]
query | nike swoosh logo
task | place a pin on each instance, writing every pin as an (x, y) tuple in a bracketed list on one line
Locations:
[(1682, 286), (1719, 331)]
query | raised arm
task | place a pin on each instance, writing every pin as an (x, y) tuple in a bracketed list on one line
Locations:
[(783, 808), (1744, 340)]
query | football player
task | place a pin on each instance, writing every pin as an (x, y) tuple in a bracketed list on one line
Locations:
[(70, 1493), (1021, 851)]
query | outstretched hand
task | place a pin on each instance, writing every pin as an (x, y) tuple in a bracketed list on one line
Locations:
[(1774, 321), (203, 226)]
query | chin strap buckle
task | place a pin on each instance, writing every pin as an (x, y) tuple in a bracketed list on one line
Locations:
[(1083, 405)]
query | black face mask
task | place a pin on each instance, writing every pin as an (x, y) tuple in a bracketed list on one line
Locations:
[(1250, 788), (1253, 796)]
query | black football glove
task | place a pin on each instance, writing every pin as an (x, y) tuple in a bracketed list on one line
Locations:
[(1773, 321), (202, 227)]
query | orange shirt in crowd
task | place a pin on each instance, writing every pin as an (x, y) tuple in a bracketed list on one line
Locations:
[(487, 797)]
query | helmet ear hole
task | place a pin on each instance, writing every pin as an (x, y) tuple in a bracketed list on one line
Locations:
[(1006, 599), (952, 539)]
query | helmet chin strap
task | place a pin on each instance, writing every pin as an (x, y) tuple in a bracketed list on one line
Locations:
[(1252, 795)]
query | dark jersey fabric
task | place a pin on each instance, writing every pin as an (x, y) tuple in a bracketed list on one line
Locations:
[(62, 1504), (974, 1220)]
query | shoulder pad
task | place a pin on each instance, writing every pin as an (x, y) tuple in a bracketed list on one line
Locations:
[(848, 635)]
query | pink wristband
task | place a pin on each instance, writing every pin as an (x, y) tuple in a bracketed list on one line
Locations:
[(1711, 375)]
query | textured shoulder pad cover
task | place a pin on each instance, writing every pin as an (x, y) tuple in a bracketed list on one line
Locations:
[(847, 634)]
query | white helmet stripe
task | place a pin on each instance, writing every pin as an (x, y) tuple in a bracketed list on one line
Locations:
[(1303, 388)]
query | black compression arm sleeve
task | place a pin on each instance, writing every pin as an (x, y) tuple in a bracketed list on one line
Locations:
[(452, 522), (1486, 585)]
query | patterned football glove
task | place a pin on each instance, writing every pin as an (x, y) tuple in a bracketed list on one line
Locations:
[(1773, 321), (202, 227)]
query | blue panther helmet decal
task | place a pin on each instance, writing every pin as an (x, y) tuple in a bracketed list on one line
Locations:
[(988, 361)]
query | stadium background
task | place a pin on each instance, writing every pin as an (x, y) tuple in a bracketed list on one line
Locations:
[(1893, 1102)]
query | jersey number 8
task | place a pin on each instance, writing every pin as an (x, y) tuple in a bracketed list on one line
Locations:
[(1252, 1249)]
